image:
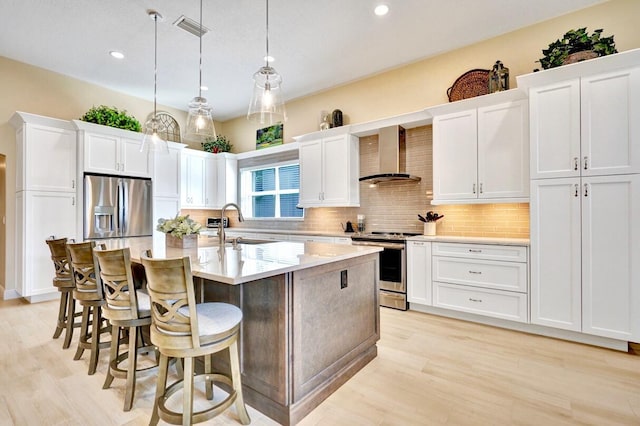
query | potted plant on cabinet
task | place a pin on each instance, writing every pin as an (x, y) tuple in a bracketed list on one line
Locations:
[(575, 46), (112, 117), (218, 144)]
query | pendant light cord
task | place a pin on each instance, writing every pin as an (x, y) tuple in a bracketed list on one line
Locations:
[(155, 62), (200, 68), (267, 14)]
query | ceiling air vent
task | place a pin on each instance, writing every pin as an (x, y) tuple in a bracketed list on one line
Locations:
[(190, 26)]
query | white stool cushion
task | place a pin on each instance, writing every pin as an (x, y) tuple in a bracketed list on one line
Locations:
[(215, 318)]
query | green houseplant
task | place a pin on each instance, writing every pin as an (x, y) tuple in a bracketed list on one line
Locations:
[(579, 44), (218, 144), (111, 116)]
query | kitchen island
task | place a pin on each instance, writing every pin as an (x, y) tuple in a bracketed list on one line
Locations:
[(310, 314)]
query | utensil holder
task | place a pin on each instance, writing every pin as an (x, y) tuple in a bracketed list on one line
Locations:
[(430, 228)]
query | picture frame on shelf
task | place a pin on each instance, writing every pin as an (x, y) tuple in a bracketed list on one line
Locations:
[(270, 136)]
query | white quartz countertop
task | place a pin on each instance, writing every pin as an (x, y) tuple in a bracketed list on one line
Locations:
[(247, 263), (472, 240)]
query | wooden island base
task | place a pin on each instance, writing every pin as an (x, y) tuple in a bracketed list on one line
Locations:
[(304, 333)]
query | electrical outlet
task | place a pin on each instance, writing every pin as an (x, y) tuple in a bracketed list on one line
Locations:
[(343, 279)]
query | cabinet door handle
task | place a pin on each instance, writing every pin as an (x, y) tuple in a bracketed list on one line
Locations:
[(475, 251), (73, 201), (474, 188), (586, 190), (418, 244), (471, 299), (481, 187), (575, 163), (73, 183), (585, 162), (476, 272)]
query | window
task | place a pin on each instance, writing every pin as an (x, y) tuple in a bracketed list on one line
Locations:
[(271, 191)]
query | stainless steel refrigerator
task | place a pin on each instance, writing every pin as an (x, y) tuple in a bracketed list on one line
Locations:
[(117, 207)]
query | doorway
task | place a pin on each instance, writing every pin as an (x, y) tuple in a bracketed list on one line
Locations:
[(3, 222)]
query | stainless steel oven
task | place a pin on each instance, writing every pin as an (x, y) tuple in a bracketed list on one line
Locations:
[(392, 266)]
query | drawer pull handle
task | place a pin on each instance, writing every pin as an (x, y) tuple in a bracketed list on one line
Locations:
[(475, 300), (475, 251), (476, 272)]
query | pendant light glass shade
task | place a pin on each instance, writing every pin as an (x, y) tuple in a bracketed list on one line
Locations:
[(153, 140), (267, 103), (200, 119)]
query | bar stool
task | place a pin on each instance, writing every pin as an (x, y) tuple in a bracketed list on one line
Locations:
[(126, 309), (88, 293), (63, 281), (182, 329)]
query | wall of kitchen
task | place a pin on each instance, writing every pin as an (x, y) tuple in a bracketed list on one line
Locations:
[(424, 83), (394, 206)]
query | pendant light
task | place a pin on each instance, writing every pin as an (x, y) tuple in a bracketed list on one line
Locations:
[(267, 103), (200, 120), (154, 128)]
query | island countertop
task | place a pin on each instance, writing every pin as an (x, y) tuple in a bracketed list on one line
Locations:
[(247, 262)]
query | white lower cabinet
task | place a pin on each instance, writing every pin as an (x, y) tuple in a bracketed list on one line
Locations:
[(40, 215), (419, 272), (468, 278), (585, 242)]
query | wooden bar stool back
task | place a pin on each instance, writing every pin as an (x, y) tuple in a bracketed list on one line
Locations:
[(63, 281), (88, 293), (126, 309), (182, 329)]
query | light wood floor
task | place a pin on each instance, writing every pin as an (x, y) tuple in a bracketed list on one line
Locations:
[(429, 370)]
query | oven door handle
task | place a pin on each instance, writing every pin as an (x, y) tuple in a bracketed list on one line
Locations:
[(393, 246)]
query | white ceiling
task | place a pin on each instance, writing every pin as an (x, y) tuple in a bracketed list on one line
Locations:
[(317, 44)]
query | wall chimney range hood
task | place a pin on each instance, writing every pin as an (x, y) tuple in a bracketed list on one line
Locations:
[(391, 156)]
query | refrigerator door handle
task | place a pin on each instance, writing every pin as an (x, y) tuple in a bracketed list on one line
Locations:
[(120, 203)]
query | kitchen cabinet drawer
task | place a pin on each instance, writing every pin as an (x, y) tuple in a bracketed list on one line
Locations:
[(481, 251), (511, 276), (494, 303)]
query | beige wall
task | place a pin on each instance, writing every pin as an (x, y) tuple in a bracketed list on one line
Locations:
[(425, 83)]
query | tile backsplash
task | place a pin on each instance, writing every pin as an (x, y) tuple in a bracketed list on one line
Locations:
[(394, 206)]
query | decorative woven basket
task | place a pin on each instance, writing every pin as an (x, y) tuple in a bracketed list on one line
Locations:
[(469, 85), (579, 57)]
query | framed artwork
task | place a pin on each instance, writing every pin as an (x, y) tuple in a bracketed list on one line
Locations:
[(269, 136)]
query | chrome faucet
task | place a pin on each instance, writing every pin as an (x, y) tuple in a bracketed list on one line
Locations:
[(221, 236)]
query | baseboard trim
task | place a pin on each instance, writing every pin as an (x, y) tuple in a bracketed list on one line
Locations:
[(11, 294), (605, 342)]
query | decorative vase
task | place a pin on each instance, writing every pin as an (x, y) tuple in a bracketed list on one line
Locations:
[(430, 229), (186, 242)]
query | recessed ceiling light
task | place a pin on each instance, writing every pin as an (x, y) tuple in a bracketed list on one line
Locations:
[(116, 54), (204, 88), (269, 58), (381, 10)]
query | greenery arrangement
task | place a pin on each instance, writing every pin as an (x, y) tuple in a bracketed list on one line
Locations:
[(575, 41), (111, 116), (179, 226), (218, 144)]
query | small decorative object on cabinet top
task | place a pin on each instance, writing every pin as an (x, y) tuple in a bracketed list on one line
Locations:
[(575, 46), (498, 78), (269, 136), (324, 121), (112, 117), (336, 118), (469, 85), (218, 144)]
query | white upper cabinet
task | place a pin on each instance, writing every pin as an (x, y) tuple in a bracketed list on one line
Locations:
[(208, 181), (481, 154), (46, 153), (113, 151), (166, 174), (584, 117), (329, 172)]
